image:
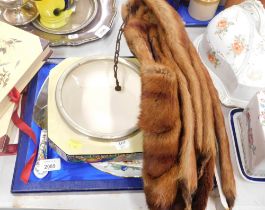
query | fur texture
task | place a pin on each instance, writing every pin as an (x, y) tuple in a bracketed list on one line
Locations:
[(177, 117)]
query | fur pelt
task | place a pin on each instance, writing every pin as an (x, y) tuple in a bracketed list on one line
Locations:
[(177, 117)]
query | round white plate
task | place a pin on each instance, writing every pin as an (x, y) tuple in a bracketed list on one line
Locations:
[(87, 100)]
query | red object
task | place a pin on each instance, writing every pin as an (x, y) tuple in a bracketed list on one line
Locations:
[(6, 148), (14, 96)]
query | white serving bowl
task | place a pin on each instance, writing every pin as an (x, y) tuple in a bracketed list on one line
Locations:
[(233, 50), (252, 135)]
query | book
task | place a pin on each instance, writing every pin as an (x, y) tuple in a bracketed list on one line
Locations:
[(5, 120), (21, 56), (9, 133)]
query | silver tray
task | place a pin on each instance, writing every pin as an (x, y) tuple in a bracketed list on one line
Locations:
[(84, 12), (98, 28)]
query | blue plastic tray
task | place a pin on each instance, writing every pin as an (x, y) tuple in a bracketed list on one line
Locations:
[(72, 176)]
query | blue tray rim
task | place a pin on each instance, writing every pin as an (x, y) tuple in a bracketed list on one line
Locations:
[(18, 186)]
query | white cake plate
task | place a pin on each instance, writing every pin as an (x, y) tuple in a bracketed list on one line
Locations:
[(88, 102)]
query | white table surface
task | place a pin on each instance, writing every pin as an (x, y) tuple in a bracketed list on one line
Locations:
[(118, 200)]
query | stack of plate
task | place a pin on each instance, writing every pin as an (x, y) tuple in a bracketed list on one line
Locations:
[(88, 120)]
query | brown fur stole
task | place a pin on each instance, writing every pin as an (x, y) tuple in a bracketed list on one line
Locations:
[(176, 116)]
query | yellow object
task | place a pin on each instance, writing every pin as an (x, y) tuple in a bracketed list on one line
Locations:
[(52, 13), (74, 144)]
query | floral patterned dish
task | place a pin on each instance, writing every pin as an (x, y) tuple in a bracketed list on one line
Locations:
[(241, 155), (121, 169), (224, 95), (233, 50)]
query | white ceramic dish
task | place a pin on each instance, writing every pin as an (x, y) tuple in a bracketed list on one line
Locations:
[(236, 131), (94, 108), (233, 50), (224, 96)]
